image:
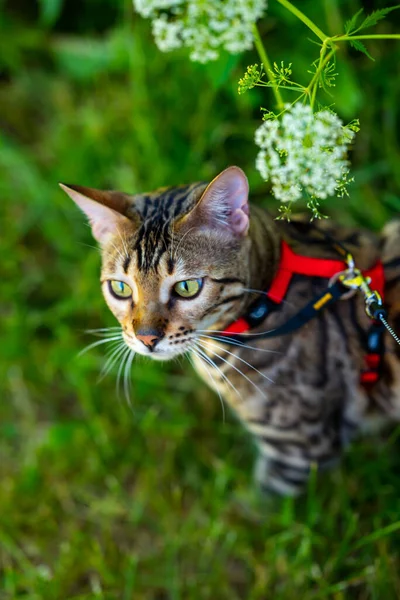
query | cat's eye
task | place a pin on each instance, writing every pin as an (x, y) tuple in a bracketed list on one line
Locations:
[(120, 289), (189, 288)]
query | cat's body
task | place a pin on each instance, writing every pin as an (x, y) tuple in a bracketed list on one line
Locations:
[(314, 402), (300, 394)]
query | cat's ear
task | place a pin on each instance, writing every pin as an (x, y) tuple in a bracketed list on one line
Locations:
[(106, 211), (224, 203)]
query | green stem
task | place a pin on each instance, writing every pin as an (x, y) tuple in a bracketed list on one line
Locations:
[(317, 74), (289, 88), (383, 36), (267, 66), (323, 60), (300, 15)]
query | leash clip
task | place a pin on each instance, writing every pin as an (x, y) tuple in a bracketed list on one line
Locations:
[(351, 278), (354, 279)]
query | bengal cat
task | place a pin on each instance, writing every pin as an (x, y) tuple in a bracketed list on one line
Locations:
[(181, 263)]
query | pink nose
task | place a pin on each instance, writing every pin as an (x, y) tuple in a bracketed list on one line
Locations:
[(149, 337)]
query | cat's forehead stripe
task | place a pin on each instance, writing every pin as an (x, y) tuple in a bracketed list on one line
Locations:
[(127, 262), (159, 210)]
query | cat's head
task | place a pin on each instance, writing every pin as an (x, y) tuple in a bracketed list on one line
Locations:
[(175, 261)]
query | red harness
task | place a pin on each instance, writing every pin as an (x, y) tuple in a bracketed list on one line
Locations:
[(291, 264)]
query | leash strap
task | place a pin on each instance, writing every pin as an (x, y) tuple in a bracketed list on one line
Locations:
[(265, 306), (343, 276)]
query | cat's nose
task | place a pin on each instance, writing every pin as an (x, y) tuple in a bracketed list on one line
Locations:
[(149, 337)]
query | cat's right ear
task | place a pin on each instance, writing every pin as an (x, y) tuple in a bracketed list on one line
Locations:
[(224, 204), (105, 210)]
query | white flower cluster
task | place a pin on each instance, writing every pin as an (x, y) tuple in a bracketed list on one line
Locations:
[(304, 151), (203, 26)]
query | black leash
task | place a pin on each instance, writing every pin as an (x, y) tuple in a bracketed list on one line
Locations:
[(264, 306), (351, 279)]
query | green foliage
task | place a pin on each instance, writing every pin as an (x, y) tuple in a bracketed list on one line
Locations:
[(314, 206), (351, 26), (328, 76), (50, 11), (354, 125), (281, 74), (250, 79), (100, 500), (361, 48), (287, 187)]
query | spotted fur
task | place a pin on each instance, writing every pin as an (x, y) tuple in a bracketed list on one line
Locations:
[(299, 395)]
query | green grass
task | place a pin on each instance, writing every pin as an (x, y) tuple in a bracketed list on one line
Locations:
[(155, 501)]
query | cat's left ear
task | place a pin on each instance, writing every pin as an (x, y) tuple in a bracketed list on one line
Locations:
[(224, 203)]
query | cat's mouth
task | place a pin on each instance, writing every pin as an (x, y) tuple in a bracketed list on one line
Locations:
[(165, 350)]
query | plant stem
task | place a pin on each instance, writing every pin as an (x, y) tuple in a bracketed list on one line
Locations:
[(311, 89), (300, 15), (267, 66), (290, 88), (378, 36)]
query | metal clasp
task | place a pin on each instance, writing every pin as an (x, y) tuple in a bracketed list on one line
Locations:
[(355, 280)]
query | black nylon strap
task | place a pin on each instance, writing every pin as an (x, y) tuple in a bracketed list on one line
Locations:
[(308, 312)]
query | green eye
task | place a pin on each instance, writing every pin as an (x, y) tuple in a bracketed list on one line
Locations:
[(120, 289), (188, 288)]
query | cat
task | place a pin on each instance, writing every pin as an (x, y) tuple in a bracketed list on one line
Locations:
[(180, 264)]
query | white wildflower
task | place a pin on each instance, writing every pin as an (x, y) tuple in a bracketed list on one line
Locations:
[(202, 26), (150, 8), (304, 152), (167, 34)]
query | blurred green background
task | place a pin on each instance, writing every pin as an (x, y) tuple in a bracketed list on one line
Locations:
[(99, 499)]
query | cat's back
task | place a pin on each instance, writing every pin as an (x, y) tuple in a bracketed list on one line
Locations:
[(327, 239)]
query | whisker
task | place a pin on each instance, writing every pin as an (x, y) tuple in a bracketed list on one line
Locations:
[(204, 359), (264, 293), (90, 246), (171, 252), (118, 251), (213, 364), (236, 369), (111, 361), (98, 343), (102, 329), (113, 345), (123, 243), (125, 356), (105, 332), (127, 381), (164, 242), (181, 240), (242, 360), (211, 375), (223, 331), (227, 340)]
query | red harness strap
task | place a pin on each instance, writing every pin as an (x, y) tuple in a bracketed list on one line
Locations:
[(291, 264)]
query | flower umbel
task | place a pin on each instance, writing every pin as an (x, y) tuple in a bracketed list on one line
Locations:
[(304, 153), (203, 26), (250, 79)]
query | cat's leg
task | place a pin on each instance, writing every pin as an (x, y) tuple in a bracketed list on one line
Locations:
[(287, 456), (277, 476), (292, 434)]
